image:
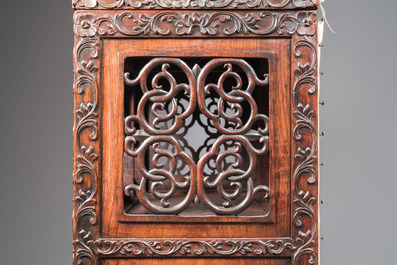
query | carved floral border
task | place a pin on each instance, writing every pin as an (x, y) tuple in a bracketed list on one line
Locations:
[(195, 24), (91, 28), (193, 4)]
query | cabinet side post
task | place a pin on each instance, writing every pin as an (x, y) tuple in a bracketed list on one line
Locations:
[(86, 144)]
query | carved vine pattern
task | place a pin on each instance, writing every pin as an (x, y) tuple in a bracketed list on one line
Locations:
[(180, 4), (85, 147), (167, 23), (305, 156), (194, 248), (87, 244)]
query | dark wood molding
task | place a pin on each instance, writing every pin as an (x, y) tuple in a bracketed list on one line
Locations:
[(193, 4), (91, 27)]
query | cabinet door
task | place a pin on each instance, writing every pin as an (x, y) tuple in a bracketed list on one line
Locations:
[(206, 150)]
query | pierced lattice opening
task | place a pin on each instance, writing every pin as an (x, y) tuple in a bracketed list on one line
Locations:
[(196, 136)]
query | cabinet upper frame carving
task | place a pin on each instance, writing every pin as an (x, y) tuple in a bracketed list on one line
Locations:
[(91, 27), (194, 24), (194, 4)]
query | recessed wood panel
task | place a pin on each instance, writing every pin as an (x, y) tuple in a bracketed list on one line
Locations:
[(277, 178)]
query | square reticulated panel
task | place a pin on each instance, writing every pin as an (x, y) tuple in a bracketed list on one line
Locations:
[(196, 135), (196, 139)]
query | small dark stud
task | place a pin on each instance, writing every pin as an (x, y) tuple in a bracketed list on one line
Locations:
[(321, 73), (322, 238), (321, 202), (322, 134), (321, 44), (321, 164), (321, 103)]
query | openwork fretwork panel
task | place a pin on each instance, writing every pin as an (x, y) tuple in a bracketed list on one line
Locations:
[(196, 136)]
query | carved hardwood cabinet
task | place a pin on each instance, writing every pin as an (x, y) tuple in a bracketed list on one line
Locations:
[(195, 132)]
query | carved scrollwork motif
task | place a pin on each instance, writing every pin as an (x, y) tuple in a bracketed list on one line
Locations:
[(161, 173), (192, 23), (89, 28), (236, 133), (180, 4), (86, 147), (159, 100), (305, 217), (234, 174), (234, 98), (168, 116), (192, 248)]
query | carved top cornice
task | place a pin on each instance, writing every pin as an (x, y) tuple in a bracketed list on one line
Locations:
[(194, 4), (195, 23)]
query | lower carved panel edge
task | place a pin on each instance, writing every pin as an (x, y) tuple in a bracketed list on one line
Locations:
[(193, 247)]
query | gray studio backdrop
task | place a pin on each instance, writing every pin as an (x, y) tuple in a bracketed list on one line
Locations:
[(358, 181)]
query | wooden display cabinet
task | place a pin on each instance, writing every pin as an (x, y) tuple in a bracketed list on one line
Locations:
[(195, 136)]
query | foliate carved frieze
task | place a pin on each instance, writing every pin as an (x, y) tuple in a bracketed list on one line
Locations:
[(194, 4), (249, 247), (192, 23)]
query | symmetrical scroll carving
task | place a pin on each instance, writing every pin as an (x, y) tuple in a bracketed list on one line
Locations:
[(160, 173), (235, 175), (181, 4), (158, 135), (157, 99), (192, 23), (193, 248), (235, 97), (234, 131)]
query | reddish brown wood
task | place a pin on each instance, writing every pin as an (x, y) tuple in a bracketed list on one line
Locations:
[(114, 222), (239, 48), (194, 4), (205, 261)]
